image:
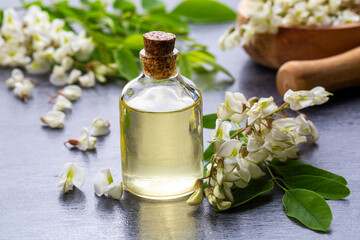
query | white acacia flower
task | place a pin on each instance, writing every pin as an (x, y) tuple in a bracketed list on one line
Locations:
[(263, 108), (299, 99), (54, 119), (256, 150), (24, 89), (16, 76), (288, 125), (100, 71), (42, 61), (229, 148), (71, 175), (62, 103), (84, 46), (58, 76), (36, 20), (13, 54), (71, 92), (306, 128), (40, 41), (320, 95), (85, 141), (281, 149), (73, 76), (196, 198), (101, 127), (11, 27), (222, 130), (67, 63), (104, 184), (87, 80), (56, 28), (252, 168), (223, 112)]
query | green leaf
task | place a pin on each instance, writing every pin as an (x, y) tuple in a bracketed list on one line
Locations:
[(294, 168), (134, 42), (153, 5), (205, 11), (254, 189), (309, 208), (125, 6), (209, 121), (208, 152), (169, 23), (326, 187), (207, 58), (184, 65), (126, 62)]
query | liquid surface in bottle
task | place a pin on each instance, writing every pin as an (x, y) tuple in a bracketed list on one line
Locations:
[(161, 142)]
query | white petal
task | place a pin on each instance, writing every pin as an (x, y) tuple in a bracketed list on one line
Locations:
[(115, 190), (102, 180), (54, 119), (84, 139), (196, 198), (71, 92), (74, 76), (229, 148), (17, 74), (218, 192), (62, 103)]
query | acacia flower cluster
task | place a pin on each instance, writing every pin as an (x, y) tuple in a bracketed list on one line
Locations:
[(55, 118), (73, 174), (86, 141), (267, 133), (40, 46), (265, 16)]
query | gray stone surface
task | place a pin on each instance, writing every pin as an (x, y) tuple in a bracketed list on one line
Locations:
[(31, 156)]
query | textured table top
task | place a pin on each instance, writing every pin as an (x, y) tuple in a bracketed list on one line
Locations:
[(32, 207)]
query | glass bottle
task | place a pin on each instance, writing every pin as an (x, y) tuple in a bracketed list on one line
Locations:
[(160, 125)]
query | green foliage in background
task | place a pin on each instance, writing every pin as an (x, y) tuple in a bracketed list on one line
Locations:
[(117, 33)]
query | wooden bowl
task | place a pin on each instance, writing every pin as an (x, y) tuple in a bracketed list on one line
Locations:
[(299, 43)]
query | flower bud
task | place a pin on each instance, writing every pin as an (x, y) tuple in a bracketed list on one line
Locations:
[(243, 151), (220, 171), (196, 198), (218, 192), (227, 192), (253, 100), (73, 141), (223, 205), (210, 196)]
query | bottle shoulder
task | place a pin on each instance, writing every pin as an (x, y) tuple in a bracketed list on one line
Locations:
[(146, 94)]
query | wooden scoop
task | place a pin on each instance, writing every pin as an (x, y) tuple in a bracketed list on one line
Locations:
[(332, 73), (300, 42)]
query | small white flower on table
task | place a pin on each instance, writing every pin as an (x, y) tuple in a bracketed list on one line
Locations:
[(71, 175), (104, 184), (101, 127), (54, 119)]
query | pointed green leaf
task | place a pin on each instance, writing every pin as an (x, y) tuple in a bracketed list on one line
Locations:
[(209, 121), (254, 189), (153, 5), (126, 63), (326, 187), (295, 167), (309, 208), (204, 11)]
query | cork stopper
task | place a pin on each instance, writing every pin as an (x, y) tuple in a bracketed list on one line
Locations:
[(158, 43), (159, 56)]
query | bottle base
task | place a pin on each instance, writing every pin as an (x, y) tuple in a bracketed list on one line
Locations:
[(159, 197)]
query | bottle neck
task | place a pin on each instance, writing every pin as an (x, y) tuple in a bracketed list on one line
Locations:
[(159, 67)]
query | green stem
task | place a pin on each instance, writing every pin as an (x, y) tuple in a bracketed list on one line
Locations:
[(275, 178), (238, 132)]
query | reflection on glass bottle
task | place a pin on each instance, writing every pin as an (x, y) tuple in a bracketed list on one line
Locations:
[(161, 125)]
